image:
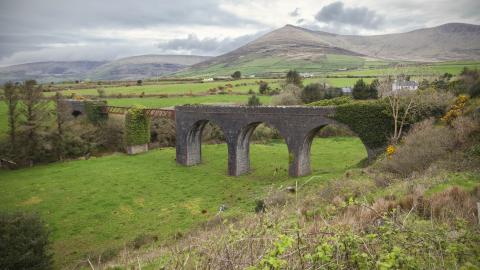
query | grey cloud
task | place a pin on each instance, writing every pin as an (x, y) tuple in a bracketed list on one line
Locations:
[(207, 46), (29, 25), (295, 13), (337, 13)]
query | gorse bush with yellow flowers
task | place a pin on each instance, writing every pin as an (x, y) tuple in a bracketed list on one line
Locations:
[(456, 109)]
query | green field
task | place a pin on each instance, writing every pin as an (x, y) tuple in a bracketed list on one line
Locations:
[(153, 102), (100, 203), (170, 88), (434, 69)]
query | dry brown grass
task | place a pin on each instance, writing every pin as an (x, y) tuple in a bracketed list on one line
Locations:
[(427, 143)]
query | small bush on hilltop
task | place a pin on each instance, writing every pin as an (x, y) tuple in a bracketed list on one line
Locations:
[(293, 77), (23, 242)]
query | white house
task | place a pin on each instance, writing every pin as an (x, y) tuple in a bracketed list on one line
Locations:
[(404, 85), (306, 75), (207, 80), (346, 90)]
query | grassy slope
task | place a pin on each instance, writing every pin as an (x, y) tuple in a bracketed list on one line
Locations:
[(274, 64), (100, 203)]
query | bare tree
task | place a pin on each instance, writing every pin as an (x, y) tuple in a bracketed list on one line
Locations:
[(35, 114), (402, 102)]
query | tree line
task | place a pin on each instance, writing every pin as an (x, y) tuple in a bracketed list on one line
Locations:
[(43, 129)]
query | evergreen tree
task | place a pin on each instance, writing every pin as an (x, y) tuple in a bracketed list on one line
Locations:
[(294, 78), (254, 101), (237, 75), (35, 115)]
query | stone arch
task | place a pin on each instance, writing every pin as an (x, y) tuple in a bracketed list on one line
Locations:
[(194, 141), (239, 148), (302, 164)]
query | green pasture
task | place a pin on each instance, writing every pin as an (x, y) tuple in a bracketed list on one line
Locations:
[(153, 102), (103, 203), (432, 69), (169, 89)]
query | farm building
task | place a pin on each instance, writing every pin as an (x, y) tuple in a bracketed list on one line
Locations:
[(346, 90), (404, 85)]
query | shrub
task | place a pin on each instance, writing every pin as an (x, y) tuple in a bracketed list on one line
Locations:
[(334, 131), (313, 92), (361, 90), (263, 133), (253, 100), (294, 78), (237, 75), (101, 93), (289, 96), (263, 88), (427, 143), (424, 144), (137, 126), (163, 132), (212, 133), (109, 135), (333, 102), (95, 111), (474, 90), (23, 242)]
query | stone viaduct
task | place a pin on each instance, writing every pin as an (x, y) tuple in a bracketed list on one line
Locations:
[(297, 125)]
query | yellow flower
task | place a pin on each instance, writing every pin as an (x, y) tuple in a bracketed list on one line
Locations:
[(391, 150)]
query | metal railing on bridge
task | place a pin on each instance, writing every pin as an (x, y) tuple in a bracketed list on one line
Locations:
[(155, 113)]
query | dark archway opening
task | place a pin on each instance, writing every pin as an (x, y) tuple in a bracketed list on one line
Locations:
[(76, 113)]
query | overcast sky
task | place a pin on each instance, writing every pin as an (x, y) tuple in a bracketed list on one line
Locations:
[(64, 30)]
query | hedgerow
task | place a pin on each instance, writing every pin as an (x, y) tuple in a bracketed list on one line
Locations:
[(370, 120), (137, 126)]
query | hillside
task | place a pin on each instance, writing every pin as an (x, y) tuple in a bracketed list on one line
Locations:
[(143, 66), (48, 71), (130, 68), (307, 50)]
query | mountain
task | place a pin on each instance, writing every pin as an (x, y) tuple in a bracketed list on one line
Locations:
[(48, 71), (144, 66), (130, 68), (296, 47)]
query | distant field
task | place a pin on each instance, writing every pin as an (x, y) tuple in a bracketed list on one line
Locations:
[(173, 101), (434, 69), (101, 203), (172, 88), (200, 88)]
